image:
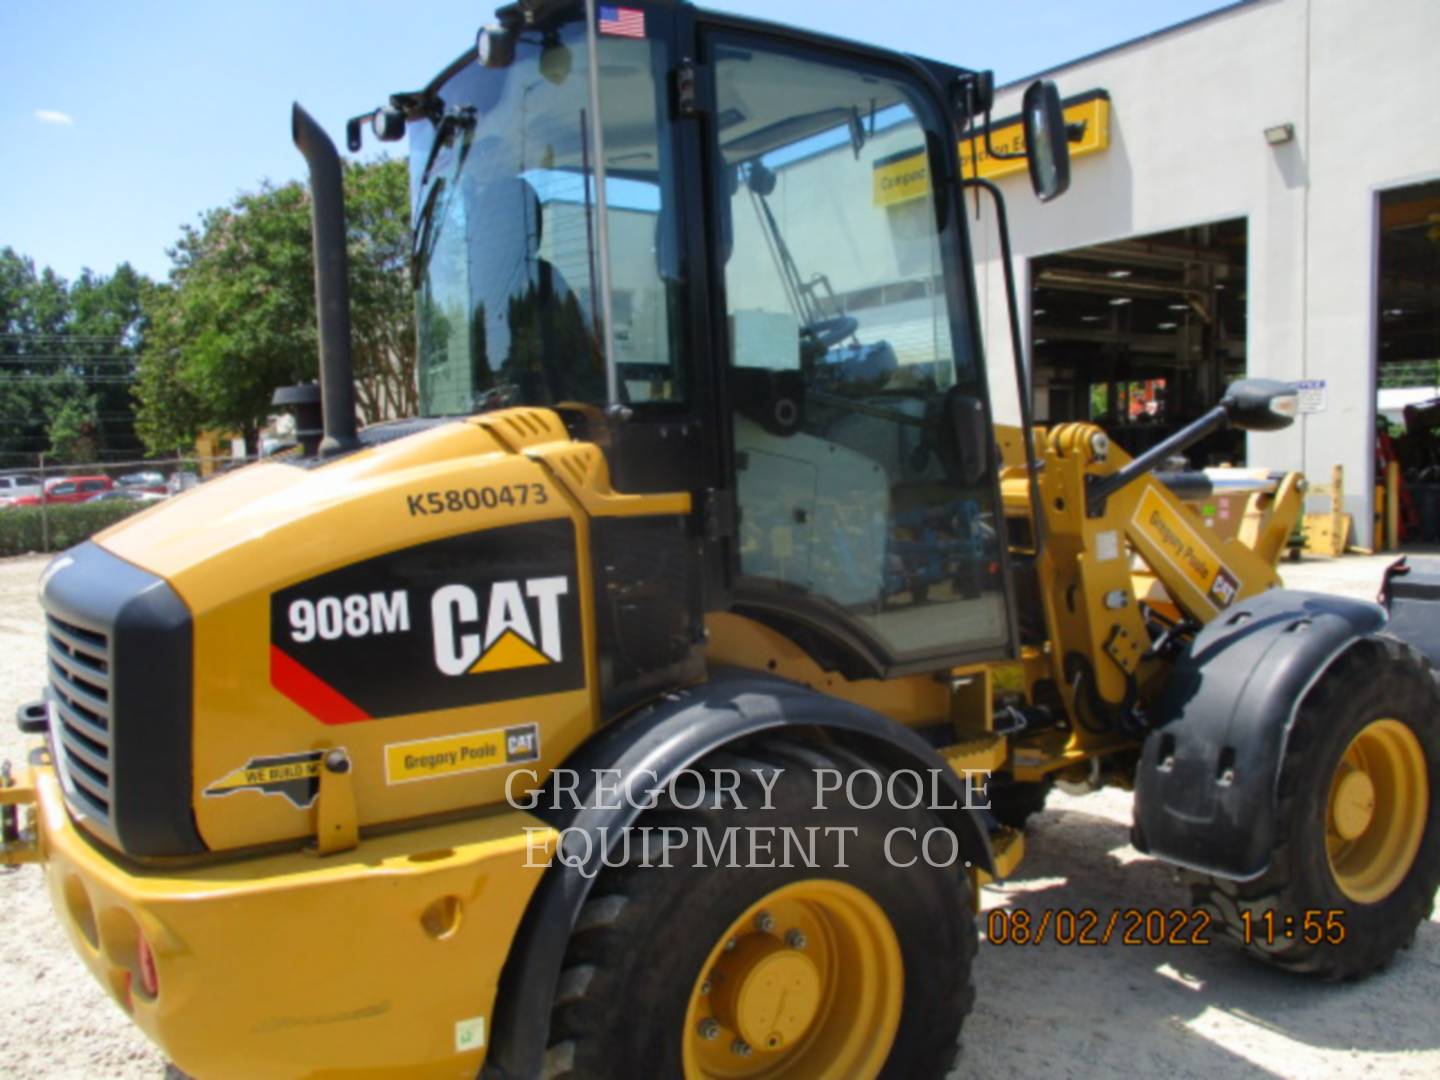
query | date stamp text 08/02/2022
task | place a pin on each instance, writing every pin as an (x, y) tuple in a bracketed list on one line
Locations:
[(1155, 926)]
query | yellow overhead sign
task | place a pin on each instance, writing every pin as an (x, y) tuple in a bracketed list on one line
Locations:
[(904, 176)]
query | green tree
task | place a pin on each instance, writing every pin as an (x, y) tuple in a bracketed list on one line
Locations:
[(377, 213), (237, 319), (75, 427), (107, 332), (67, 356), (170, 416), (34, 309)]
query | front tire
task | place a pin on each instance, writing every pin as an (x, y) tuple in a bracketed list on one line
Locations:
[(1358, 823), (846, 970)]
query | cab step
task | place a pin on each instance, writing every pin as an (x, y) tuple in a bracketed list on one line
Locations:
[(1008, 846), (984, 752)]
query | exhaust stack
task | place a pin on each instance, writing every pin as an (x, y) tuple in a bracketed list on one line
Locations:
[(332, 283)]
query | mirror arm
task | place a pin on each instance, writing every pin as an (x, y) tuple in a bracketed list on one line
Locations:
[(998, 155), (1022, 370), (353, 130), (1100, 488)]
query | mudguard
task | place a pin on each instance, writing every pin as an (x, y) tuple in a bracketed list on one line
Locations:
[(663, 739), (1411, 593), (1206, 786)]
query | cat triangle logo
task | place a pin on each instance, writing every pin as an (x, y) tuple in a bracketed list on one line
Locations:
[(509, 651), (518, 627)]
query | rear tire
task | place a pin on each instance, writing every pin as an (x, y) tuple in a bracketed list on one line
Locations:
[(1368, 848), (647, 964)]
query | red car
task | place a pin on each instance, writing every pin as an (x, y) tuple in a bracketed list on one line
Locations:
[(68, 489)]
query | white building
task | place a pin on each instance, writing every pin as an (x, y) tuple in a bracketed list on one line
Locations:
[(1287, 151)]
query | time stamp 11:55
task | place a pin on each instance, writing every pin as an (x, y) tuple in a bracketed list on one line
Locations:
[(1158, 926)]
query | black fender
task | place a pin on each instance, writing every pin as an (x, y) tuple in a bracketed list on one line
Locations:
[(1411, 593), (1206, 786), (656, 743)]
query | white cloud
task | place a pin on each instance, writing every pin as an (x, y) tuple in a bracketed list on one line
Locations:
[(54, 116)]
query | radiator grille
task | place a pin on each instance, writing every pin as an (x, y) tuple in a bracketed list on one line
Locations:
[(79, 662)]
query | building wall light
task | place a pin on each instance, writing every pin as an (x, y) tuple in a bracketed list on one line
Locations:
[(1280, 134)]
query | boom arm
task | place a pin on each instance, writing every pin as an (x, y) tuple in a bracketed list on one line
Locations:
[(1107, 617)]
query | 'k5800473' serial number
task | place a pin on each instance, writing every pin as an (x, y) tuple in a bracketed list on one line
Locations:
[(459, 500)]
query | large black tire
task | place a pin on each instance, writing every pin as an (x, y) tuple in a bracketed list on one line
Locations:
[(1379, 679), (643, 937)]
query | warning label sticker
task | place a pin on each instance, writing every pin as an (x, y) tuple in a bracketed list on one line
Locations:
[(447, 755)]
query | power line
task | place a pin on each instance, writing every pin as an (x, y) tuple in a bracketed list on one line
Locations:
[(88, 380), (62, 363)]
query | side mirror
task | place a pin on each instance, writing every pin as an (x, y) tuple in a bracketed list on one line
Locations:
[(388, 124), (1261, 404), (495, 46), (1047, 143)]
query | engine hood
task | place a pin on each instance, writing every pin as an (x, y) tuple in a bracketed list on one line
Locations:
[(273, 522)]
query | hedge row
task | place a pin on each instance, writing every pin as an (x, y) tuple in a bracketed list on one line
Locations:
[(22, 528)]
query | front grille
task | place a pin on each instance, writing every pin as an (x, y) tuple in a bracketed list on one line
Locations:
[(119, 688), (79, 669)]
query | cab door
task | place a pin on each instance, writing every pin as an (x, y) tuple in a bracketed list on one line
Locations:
[(858, 433)]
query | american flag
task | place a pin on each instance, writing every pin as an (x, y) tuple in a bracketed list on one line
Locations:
[(622, 21)]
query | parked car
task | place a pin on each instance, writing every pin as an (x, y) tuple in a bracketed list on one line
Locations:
[(68, 489), (142, 481), (17, 485), (181, 481), (128, 494)]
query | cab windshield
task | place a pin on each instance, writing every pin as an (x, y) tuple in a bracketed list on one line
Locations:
[(507, 260)]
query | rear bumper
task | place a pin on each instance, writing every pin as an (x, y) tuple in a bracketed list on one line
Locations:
[(383, 960)]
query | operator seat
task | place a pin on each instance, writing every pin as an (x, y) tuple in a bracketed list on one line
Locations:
[(552, 355)]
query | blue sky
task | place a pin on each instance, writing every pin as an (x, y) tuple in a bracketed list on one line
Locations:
[(120, 122)]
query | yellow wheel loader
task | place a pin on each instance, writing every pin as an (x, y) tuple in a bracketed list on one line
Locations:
[(658, 702)]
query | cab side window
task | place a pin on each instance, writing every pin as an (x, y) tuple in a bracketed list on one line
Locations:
[(847, 355)]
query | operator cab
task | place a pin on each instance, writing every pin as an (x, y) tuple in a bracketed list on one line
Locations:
[(733, 256)]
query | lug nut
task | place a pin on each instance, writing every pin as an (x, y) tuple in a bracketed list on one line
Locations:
[(705, 987), (795, 939), (730, 945), (709, 1029), (764, 923), (740, 1048)]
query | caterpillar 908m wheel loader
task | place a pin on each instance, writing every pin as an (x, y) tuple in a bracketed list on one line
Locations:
[(630, 713)]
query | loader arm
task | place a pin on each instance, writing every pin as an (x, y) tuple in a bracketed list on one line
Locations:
[(1117, 576)]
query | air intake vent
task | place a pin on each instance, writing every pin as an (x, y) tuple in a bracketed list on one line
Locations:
[(80, 692), (119, 694)]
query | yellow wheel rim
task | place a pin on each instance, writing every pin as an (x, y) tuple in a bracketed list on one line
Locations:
[(806, 984), (1375, 815)]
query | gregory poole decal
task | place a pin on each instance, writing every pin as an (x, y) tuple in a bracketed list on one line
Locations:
[(425, 759), (1185, 551), (468, 620)]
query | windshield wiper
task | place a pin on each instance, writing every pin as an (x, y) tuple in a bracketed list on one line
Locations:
[(455, 120), (445, 128), (424, 226)]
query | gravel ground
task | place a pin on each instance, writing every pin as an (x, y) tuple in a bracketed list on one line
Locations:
[(1042, 1011)]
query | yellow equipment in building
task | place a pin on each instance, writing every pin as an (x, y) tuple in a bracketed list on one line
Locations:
[(658, 703)]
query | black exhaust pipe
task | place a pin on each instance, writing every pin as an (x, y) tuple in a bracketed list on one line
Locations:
[(332, 283)]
